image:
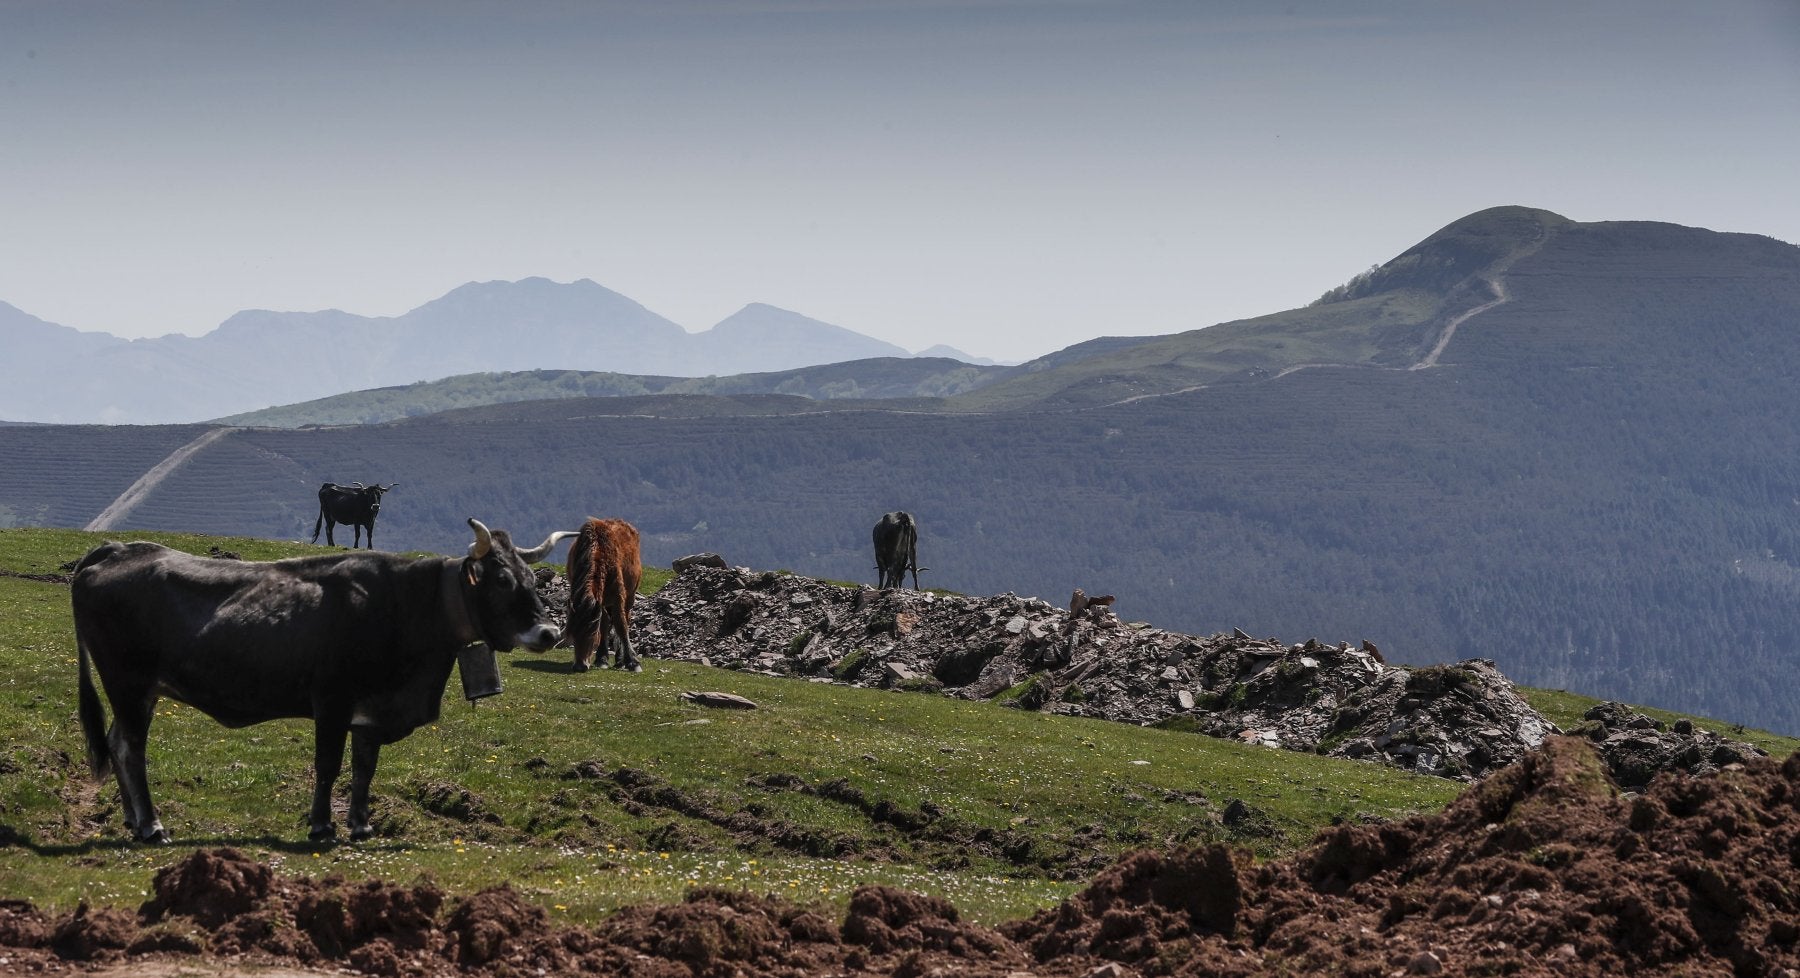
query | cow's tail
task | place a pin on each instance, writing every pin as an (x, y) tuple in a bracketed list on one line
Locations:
[(93, 718), (318, 524), (601, 559)]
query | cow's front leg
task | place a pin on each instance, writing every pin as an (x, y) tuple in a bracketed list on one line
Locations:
[(328, 760), (616, 625), (126, 739), (365, 750)]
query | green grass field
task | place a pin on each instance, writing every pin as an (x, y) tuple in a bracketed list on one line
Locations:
[(587, 792)]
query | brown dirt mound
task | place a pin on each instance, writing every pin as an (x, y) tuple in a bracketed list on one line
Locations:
[(1145, 902), (23, 926), (89, 934), (224, 904), (884, 919), (487, 921), (1544, 868), (210, 887)]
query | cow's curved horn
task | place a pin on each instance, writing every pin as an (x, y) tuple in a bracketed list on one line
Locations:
[(537, 553), (484, 541), (357, 485)]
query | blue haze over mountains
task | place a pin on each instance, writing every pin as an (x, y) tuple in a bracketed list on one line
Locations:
[(259, 358)]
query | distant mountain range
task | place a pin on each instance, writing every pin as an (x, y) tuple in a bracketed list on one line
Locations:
[(1388, 317), (258, 358), (1567, 447)]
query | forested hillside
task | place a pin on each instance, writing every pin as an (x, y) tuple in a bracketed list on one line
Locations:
[(1595, 486)]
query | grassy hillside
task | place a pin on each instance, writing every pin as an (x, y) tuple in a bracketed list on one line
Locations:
[(882, 378), (595, 790), (1385, 329), (1389, 316)]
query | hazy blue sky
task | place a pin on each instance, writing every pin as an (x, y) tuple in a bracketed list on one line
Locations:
[(1007, 176)]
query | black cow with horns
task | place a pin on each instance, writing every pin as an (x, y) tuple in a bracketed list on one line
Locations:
[(354, 505), (362, 643), (897, 550)]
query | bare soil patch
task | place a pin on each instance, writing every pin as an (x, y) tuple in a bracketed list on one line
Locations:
[(1543, 868)]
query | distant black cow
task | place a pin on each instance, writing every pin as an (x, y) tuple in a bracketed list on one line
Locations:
[(353, 505), (361, 643), (896, 550)]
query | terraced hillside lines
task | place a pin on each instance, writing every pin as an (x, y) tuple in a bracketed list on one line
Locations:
[(135, 494), (265, 482), (63, 476), (246, 484)]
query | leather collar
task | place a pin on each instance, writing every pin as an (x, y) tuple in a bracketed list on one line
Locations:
[(456, 603)]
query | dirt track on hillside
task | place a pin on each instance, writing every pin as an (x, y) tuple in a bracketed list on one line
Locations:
[(1544, 868)]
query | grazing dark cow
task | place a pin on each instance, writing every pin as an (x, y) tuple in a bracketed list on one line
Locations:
[(362, 643), (352, 505), (896, 550), (604, 571)]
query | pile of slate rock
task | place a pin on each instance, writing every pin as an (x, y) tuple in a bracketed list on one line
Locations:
[(1636, 747), (1459, 721)]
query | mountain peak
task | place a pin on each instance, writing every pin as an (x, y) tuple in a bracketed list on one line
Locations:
[(1515, 219), (536, 299), (1459, 251), (534, 285), (762, 314), (761, 337)]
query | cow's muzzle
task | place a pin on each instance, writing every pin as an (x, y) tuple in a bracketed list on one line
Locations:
[(540, 638)]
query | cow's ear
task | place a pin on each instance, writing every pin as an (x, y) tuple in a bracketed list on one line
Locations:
[(472, 571)]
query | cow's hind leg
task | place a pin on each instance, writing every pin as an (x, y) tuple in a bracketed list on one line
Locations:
[(130, 732), (617, 619), (365, 750), (328, 760)]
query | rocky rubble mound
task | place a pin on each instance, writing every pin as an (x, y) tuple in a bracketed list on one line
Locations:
[(1636, 747), (1458, 721), (1545, 868)]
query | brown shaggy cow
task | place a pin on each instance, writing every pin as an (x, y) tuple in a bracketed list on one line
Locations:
[(603, 573)]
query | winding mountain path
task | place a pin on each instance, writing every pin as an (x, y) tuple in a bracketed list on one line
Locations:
[(135, 493), (1495, 280)]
